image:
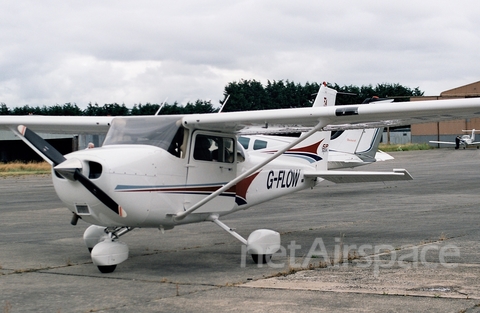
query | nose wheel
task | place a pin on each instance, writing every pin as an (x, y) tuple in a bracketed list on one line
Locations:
[(105, 248)]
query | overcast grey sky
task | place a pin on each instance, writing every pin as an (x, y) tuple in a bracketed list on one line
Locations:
[(103, 51)]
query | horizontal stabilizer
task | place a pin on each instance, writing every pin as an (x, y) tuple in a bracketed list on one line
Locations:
[(341, 177), (383, 156)]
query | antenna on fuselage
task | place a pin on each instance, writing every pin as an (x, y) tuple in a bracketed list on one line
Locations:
[(161, 106), (224, 102)]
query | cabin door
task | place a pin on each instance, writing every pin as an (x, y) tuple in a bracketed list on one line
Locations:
[(211, 165)]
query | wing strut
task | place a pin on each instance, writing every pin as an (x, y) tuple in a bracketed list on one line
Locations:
[(231, 231), (182, 215)]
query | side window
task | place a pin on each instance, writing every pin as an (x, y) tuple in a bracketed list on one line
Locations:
[(244, 141), (259, 144), (202, 149), (214, 148)]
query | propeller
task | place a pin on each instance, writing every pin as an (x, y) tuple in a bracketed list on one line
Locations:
[(70, 169), (41, 145)]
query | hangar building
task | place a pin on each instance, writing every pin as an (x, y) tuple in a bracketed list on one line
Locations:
[(447, 130), (13, 148)]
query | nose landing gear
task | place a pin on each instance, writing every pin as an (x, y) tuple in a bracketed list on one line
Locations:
[(105, 248)]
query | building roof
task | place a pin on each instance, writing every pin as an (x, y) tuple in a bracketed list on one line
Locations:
[(469, 90)]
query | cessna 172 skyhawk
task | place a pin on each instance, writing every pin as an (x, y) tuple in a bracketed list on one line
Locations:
[(165, 171), (347, 149)]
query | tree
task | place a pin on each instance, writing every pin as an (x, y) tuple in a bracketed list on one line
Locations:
[(147, 109), (71, 109), (244, 95), (115, 109), (92, 110), (112, 109), (171, 109), (27, 110), (66, 109), (354, 94), (199, 107), (4, 110), (252, 95)]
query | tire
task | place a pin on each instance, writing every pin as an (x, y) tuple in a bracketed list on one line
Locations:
[(107, 268), (261, 258)]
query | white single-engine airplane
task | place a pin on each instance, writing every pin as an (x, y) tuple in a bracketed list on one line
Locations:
[(347, 149), (165, 171), (464, 141)]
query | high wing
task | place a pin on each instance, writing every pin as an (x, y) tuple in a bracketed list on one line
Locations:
[(58, 124), (334, 117), (340, 117)]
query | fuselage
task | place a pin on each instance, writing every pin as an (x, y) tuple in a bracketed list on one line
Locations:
[(152, 183)]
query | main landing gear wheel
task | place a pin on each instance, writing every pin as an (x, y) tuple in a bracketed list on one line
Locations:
[(107, 268), (108, 253), (261, 258), (261, 244)]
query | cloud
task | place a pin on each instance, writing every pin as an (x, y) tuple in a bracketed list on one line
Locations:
[(119, 51)]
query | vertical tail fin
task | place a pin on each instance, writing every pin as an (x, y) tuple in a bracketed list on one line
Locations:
[(472, 136), (361, 142), (346, 140), (315, 148), (368, 146), (326, 96)]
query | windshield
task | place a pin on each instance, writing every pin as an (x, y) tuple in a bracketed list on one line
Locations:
[(160, 131)]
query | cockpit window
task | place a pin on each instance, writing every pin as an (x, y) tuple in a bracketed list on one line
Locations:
[(161, 131), (214, 148)]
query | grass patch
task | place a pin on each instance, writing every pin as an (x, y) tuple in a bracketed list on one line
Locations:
[(405, 147), (20, 168)]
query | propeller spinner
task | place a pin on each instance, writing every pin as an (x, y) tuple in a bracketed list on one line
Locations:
[(71, 169)]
